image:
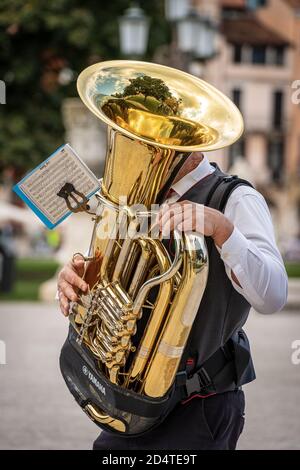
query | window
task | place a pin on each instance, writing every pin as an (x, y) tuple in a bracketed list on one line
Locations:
[(277, 109), (237, 97), (279, 55), (259, 54), (276, 55), (276, 159), (237, 53), (236, 151), (253, 4)]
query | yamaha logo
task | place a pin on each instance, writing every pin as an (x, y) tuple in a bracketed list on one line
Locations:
[(93, 379)]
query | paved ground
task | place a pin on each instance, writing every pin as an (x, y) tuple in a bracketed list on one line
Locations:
[(37, 411)]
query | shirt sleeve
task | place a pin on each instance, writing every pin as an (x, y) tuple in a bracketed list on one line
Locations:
[(251, 252)]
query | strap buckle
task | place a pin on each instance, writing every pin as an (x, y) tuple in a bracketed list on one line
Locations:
[(230, 178), (200, 381), (204, 379)]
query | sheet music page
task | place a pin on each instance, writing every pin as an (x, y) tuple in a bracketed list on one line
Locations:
[(39, 189)]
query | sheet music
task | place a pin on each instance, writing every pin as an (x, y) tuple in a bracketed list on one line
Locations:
[(39, 189)]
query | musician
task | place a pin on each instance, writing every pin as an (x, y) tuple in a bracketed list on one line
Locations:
[(246, 269)]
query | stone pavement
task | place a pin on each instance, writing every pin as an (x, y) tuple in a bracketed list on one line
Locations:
[(37, 411)]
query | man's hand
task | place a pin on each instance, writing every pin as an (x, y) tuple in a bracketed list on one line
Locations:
[(189, 216), (69, 282)]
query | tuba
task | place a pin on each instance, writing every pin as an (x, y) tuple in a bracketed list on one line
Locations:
[(129, 331)]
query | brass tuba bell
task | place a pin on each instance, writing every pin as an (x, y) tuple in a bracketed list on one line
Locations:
[(142, 302)]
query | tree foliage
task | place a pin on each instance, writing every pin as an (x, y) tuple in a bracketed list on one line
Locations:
[(41, 41), (154, 87)]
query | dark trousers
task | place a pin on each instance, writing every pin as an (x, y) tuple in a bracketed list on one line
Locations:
[(213, 423)]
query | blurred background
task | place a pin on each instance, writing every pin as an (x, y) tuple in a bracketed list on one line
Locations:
[(250, 49)]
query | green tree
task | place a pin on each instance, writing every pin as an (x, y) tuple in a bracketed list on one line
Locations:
[(154, 87), (40, 42)]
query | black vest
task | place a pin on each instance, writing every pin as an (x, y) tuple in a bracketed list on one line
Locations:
[(223, 311)]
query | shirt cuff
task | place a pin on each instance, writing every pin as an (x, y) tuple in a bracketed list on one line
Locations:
[(234, 249)]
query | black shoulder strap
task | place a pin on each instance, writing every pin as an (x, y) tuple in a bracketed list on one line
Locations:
[(220, 193)]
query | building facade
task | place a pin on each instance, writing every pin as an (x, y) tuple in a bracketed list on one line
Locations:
[(258, 66)]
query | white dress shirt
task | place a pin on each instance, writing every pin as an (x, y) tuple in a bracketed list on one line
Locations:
[(250, 252)]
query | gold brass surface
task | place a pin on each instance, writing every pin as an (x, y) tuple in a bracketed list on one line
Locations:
[(97, 415), (207, 119)]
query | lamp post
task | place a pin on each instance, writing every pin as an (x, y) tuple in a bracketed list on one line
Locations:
[(187, 32), (197, 36), (206, 45), (134, 31), (176, 9), (193, 36)]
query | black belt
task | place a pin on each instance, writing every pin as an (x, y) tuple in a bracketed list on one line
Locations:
[(216, 375)]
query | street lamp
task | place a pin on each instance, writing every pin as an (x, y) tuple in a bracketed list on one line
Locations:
[(194, 36), (206, 44), (187, 32), (176, 9), (197, 36), (134, 30)]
